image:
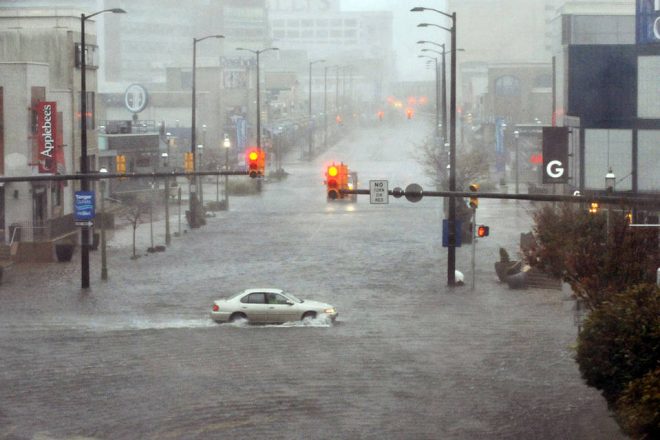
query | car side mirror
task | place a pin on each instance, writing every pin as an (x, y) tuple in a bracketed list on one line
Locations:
[(289, 303)]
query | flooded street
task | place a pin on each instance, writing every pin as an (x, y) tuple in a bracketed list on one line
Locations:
[(408, 358)]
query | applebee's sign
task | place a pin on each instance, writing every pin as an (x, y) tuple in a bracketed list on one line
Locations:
[(47, 135)]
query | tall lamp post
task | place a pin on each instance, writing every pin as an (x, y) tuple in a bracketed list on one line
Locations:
[(258, 53), (226, 145), (437, 86), (451, 249), (193, 141), (84, 161), (516, 135), (104, 261), (168, 238), (311, 128), (610, 183)]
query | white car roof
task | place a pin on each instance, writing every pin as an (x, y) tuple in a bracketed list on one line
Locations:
[(264, 289)]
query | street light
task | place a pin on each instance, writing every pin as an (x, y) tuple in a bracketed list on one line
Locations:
[(437, 103), (257, 53), (193, 141), (311, 131), (451, 248), (104, 265), (610, 181), (84, 161), (168, 238), (516, 135), (227, 145)]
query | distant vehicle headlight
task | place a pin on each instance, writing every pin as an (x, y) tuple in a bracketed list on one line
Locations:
[(330, 311)]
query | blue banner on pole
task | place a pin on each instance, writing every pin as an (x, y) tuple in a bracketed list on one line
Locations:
[(445, 233), (84, 206)]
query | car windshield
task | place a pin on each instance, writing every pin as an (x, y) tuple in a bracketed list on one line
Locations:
[(292, 297)]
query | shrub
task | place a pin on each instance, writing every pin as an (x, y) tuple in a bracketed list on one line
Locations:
[(620, 341), (638, 408)]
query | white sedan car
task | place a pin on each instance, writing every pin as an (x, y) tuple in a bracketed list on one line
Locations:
[(269, 306)]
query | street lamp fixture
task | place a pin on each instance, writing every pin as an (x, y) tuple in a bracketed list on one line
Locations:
[(193, 141), (84, 161), (451, 248), (258, 53), (610, 181)]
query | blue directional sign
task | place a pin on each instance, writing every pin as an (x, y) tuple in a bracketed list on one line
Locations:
[(84, 203), (445, 233)]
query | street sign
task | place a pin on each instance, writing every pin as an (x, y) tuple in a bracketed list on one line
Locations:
[(84, 206), (378, 193)]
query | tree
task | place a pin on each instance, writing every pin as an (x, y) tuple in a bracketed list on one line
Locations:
[(472, 165), (620, 342), (132, 213), (596, 260)]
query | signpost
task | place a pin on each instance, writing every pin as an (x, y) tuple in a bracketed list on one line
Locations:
[(378, 192)]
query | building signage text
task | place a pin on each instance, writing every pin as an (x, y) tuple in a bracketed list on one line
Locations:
[(47, 136)]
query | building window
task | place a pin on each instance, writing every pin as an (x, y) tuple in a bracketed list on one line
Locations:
[(91, 56), (648, 160), (603, 149), (648, 87), (543, 81), (507, 86)]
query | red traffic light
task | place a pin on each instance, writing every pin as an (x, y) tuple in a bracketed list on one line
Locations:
[(336, 180), (483, 231), (255, 159)]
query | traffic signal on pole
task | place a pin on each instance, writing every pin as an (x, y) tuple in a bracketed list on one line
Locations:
[(121, 164), (336, 179), (474, 201), (188, 164), (593, 208), (381, 114), (410, 112), (255, 159), (483, 231)]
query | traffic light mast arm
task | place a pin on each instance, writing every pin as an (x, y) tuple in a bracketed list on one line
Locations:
[(640, 200)]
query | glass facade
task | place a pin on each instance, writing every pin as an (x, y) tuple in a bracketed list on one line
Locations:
[(604, 149), (648, 87), (648, 160)]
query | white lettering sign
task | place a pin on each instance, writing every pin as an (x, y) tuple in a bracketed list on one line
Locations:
[(554, 169)]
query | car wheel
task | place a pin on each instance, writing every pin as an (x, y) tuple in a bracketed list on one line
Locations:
[(308, 315), (237, 317)]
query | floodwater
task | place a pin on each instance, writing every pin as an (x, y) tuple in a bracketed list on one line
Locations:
[(137, 357)]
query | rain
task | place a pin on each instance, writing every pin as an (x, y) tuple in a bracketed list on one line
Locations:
[(178, 94)]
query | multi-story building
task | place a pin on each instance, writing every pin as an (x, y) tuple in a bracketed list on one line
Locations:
[(40, 116), (509, 31), (607, 93)]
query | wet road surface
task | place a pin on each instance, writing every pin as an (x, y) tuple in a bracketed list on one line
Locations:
[(137, 357)]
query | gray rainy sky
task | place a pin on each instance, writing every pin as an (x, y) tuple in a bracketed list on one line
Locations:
[(405, 30)]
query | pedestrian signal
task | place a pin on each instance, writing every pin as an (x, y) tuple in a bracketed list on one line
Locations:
[(474, 201), (256, 162), (483, 231)]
